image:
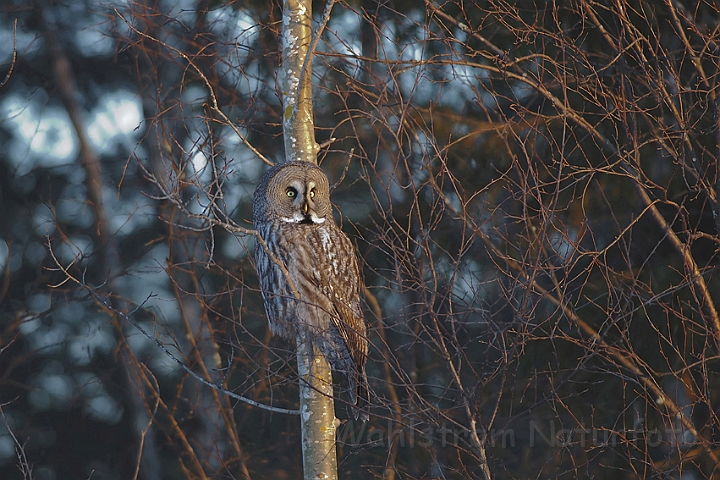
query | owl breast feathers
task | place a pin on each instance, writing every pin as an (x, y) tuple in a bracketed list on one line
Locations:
[(308, 270)]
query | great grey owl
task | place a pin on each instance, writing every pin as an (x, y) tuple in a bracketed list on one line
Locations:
[(309, 273)]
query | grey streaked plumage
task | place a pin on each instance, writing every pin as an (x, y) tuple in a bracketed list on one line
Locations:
[(313, 283)]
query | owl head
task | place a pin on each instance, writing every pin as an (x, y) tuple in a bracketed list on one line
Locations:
[(293, 192)]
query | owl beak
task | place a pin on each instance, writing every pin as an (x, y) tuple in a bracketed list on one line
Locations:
[(305, 208)]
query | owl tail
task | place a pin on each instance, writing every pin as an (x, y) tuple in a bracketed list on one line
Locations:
[(359, 396)]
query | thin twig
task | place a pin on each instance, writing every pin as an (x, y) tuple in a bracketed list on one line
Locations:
[(215, 106)]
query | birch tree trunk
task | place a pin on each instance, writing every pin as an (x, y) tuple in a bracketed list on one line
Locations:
[(317, 412)]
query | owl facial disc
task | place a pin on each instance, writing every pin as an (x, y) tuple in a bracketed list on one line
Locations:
[(302, 199)]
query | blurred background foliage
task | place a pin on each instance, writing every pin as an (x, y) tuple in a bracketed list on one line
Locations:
[(532, 187)]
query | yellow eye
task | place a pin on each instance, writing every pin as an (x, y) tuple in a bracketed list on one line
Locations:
[(291, 192), (312, 193)]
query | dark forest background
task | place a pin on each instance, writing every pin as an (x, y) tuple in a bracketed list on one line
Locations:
[(532, 187)]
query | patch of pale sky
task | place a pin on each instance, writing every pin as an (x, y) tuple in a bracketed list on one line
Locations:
[(43, 134), (240, 30), (73, 209), (243, 161), (43, 220), (522, 90), (16, 257), (74, 248), (464, 82), (388, 41), (253, 85), (183, 11), (39, 303), (235, 25), (88, 383), (242, 164), (7, 447), (48, 340), (40, 135), (200, 164), (148, 282), (413, 51), (26, 43), (104, 408), (34, 253), (83, 347), (94, 37), (414, 84), (161, 364), (193, 146), (139, 343), (199, 204), (563, 243), (193, 95), (467, 281), (346, 41), (238, 246), (130, 214), (97, 406), (4, 254), (59, 387), (114, 120)]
